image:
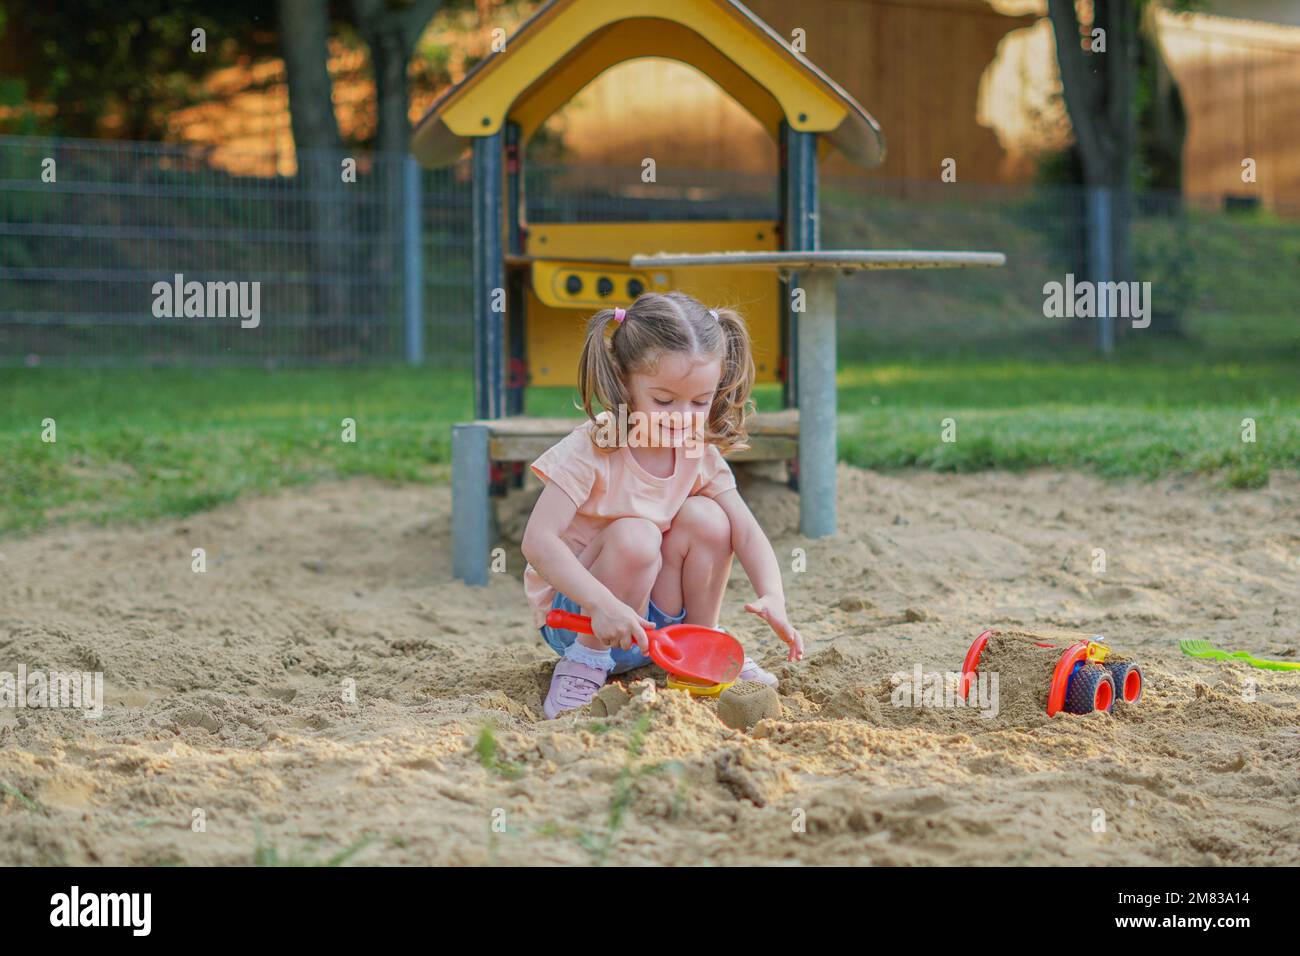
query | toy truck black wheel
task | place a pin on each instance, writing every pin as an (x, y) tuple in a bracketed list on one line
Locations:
[(1129, 682), (1091, 688)]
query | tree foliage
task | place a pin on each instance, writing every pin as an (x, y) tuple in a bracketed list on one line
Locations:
[(118, 68)]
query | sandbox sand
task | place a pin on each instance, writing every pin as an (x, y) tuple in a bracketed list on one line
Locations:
[(225, 690)]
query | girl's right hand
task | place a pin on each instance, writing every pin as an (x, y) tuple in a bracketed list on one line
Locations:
[(619, 626)]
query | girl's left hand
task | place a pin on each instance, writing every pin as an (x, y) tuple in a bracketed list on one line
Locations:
[(772, 610)]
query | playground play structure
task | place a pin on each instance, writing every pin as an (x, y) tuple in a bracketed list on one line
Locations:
[(550, 277)]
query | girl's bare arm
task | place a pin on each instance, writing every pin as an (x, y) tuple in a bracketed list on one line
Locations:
[(759, 561)]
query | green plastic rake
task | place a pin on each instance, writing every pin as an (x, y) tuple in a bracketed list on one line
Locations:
[(1206, 649)]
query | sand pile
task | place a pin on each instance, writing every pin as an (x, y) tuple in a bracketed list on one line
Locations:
[(323, 691), (1024, 669)]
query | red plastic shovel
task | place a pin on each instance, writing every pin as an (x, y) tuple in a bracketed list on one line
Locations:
[(690, 651)]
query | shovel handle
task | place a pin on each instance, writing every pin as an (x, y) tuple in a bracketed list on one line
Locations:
[(568, 621)]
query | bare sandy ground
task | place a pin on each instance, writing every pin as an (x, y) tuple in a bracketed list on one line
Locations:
[(226, 691)]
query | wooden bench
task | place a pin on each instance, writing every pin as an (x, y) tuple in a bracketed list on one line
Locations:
[(773, 436)]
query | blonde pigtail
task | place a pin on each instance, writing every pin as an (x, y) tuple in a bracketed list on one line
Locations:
[(732, 405), (600, 380)]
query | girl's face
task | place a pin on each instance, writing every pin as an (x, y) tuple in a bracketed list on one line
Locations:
[(680, 389)]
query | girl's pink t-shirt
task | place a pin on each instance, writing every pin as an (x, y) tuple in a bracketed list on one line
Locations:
[(608, 485)]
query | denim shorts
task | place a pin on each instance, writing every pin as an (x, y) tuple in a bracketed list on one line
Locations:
[(560, 639)]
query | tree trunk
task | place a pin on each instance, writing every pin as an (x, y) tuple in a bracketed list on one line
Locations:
[(304, 38), (391, 28), (1164, 122), (1163, 131), (1100, 95)]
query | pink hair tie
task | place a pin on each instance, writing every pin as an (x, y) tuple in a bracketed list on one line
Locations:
[(620, 315)]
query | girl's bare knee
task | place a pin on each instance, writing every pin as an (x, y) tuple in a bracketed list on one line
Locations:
[(704, 522), (636, 541)]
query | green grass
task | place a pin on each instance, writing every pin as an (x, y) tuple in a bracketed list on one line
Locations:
[(27, 802), (1118, 419), (621, 797), (139, 445), (268, 854), (489, 755)]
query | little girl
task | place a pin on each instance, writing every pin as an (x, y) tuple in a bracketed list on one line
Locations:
[(638, 531)]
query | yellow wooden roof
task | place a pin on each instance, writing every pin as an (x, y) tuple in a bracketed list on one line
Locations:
[(568, 43)]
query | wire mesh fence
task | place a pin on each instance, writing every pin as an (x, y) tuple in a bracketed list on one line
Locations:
[(129, 254)]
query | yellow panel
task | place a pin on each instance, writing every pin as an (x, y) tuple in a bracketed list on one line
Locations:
[(555, 333), (582, 285), (563, 28), (634, 39)]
